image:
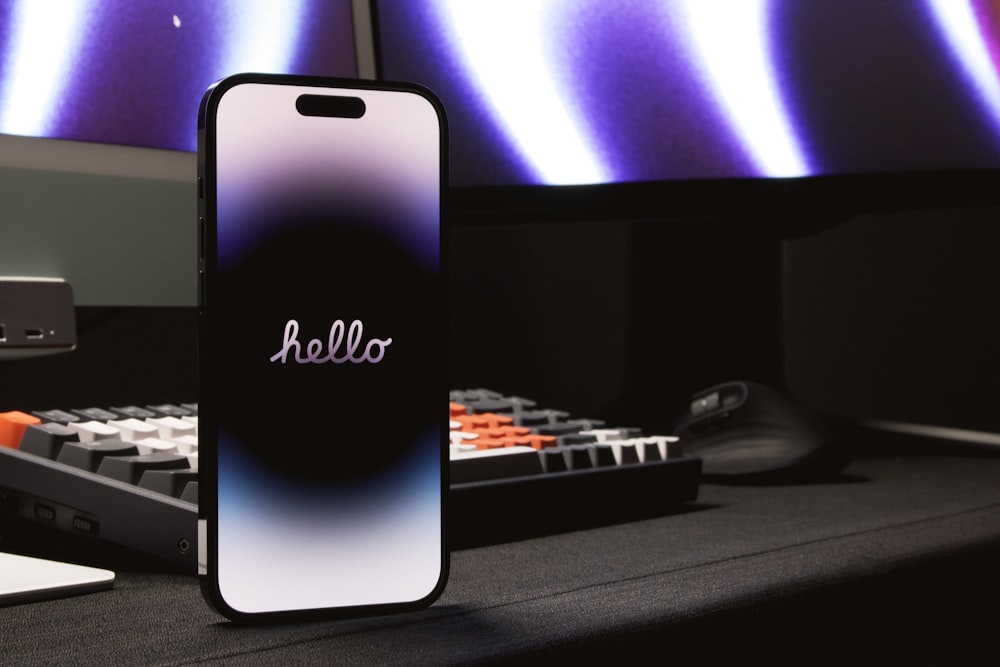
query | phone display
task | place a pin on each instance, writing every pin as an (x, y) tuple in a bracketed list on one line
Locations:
[(321, 354)]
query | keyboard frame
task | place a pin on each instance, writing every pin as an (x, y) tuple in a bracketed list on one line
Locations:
[(516, 508), (168, 528)]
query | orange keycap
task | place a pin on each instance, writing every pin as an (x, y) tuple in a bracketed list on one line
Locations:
[(472, 423), (493, 420), (12, 425), (541, 441)]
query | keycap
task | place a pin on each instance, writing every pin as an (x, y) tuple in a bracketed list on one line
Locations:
[(172, 482), (12, 426), (131, 468), (134, 412), (95, 414), (132, 429), (88, 455), (172, 427), (60, 416), (156, 446), (480, 464), (91, 431), (553, 460), (168, 410), (47, 439)]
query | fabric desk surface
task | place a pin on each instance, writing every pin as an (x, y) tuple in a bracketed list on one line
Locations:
[(889, 561)]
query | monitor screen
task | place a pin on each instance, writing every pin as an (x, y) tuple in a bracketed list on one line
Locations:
[(98, 127), (133, 73), (589, 92)]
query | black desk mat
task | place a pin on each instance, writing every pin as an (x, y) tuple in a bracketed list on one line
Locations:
[(893, 536)]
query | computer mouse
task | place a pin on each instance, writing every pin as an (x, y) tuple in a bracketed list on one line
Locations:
[(749, 433)]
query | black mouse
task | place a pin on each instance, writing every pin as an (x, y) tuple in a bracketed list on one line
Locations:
[(748, 433)]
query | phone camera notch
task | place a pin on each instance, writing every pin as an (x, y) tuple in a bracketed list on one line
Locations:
[(330, 106)]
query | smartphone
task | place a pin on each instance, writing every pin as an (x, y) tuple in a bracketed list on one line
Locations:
[(322, 411)]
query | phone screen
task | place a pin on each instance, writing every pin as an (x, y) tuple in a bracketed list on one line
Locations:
[(322, 365)]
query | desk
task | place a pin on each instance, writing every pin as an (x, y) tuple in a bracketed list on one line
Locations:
[(887, 562)]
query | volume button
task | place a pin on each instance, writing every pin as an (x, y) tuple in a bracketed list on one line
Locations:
[(202, 238), (201, 242)]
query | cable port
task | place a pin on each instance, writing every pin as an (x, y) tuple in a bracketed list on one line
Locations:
[(10, 502), (34, 334), (45, 512)]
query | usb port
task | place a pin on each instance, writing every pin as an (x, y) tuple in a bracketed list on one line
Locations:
[(34, 334), (3, 332)]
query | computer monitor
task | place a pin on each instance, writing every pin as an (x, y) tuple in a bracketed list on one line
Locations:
[(668, 147), (98, 128), (587, 109)]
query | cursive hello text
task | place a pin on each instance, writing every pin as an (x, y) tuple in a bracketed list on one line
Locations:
[(344, 345)]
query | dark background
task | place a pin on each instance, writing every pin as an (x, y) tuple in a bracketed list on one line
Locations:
[(881, 317)]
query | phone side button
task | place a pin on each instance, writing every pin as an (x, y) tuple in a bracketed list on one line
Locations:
[(202, 547)]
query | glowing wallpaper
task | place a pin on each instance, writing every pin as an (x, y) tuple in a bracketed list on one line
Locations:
[(133, 72), (589, 91)]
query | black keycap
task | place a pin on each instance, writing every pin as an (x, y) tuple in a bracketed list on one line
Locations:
[(490, 405), (190, 493), (577, 439), (46, 440), (58, 416), (134, 411), (578, 457), (530, 418), (559, 428), (588, 424), (88, 455), (602, 455), (649, 451), (95, 414), (553, 460), (131, 468), (628, 454), (169, 482), (169, 410)]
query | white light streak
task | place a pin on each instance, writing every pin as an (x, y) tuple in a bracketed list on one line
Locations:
[(958, 22), (731, 40), (44, 39), (501, 45), (261, 41)]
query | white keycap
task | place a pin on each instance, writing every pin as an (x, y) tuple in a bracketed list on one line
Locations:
[(172, 427), (186, 444), (482, 464), (459, 437), (93, 430), (133, 429), (155, 446)]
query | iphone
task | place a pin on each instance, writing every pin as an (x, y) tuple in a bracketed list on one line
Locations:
[(322, 400)]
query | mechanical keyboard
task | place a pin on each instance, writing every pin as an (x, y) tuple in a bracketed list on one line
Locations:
[(127, 476)]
